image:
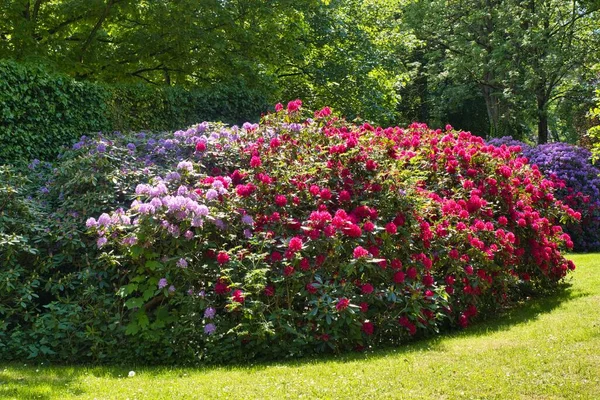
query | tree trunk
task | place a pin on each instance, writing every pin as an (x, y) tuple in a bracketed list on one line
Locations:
[(491, 105), (542, 119)]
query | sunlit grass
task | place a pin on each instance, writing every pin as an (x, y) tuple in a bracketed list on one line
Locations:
[(546, 349)]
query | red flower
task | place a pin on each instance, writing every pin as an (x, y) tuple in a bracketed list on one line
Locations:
[(391, 228), (222, 258), (294, 105), (367, 288), (255, 162), (245, 190), (221, 287), (411, 273), (342, 304), (310, 288), (314, 190), (325, 194), (304, 264), (295, 244), (238, 296), (200, 146), (368, 327), (428, 280), (371, 165), (274, 143), (269, 291), (352, 231), (364, 307), (278, 107), (344, 196), (288, 270), (399, 277), (280, 200), (368, 226), (360, 252)]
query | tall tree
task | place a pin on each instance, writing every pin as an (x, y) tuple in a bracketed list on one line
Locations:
[(522, 55)]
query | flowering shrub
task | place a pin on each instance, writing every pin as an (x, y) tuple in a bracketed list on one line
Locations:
[(313, 234), (578, 185)]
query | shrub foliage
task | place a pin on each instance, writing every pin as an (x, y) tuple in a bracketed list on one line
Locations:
[(295, 236), (302, 235)]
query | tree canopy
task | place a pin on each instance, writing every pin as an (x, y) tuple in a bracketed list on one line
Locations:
[(496, 67)]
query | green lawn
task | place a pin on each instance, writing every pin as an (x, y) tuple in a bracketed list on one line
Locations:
[(547, 349)]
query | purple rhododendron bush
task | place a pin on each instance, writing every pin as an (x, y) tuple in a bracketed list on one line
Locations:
[(577, 180), (303, 235)]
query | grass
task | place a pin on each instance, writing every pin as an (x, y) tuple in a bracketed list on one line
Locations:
[(546, 349)]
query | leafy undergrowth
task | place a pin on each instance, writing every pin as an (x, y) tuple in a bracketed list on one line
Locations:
[(549, 348)]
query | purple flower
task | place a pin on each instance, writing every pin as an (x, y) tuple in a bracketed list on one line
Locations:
[(182, 190), (197, 221), (220, 224), (202, 210), (247, 233), (91, 222), (182, 263), (142, 189), (171, 289), (209, 329), (189, 235), (217, 185), (101, 241), (173, 176), (131, 146), (101, 148), (129, 240), (104, 220), (247, 219), (162, 283), (186, 166), (159, 190), (201, 127), (146, 208), (209, 313), (211, 194)]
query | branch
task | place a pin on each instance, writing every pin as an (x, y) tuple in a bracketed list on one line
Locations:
[(96, 27)]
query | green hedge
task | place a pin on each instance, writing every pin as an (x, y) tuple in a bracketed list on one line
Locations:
[(41, 111)]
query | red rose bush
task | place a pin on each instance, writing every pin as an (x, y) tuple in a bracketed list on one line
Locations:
[(301, 235)]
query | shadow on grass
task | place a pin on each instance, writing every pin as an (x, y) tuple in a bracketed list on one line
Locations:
[(25, 383), (525, 312)]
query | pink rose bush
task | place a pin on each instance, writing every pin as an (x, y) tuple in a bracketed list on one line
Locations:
[(306, 234)]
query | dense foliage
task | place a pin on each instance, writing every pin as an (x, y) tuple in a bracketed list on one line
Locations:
[(494, 67), (40, 111), (280, 239), (578, 185)]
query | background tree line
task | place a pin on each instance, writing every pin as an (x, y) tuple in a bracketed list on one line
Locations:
[(526, 68)]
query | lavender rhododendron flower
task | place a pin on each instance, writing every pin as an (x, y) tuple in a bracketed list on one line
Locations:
[(162, 283), (209, 313), (210, 329), (91, 222), (186, 166), (182, 263), (211, 194)]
